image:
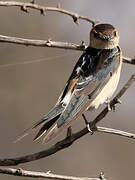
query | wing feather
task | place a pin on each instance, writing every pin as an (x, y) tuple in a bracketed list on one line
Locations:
[(86, 88)]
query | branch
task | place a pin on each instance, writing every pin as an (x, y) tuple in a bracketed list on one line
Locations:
[(26, 6), (48, 175), (49, 43), (129, 60), (42, 43), (53, 44), (68, 141), (115, 132)]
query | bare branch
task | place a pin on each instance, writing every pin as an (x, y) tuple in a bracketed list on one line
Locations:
[(42, 43), (115, 132), (53, 44), (26, 6), (66, 142), (49, 43), (129, 60), (48, 175)]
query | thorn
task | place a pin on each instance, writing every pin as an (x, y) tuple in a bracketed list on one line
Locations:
[(58, 5), (76, 18), (69, 132), (48, 43), (42, 11), (48, 172), (24, 8), (102, 176), (83, 45), (19, 171)]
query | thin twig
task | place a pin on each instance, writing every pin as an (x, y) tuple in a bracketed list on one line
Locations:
[(48, 175), (48, 43), (115, 132), (26, 6), (53, 44), (66, 142), (129, 60)]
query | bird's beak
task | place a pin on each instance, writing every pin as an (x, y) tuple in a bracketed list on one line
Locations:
[(108, 38)]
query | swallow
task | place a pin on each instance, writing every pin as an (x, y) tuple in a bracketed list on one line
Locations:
[(92, 82)]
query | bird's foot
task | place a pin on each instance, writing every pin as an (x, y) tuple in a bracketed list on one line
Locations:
[(119, 101), (88, 125), (112, 107), (89, 129)]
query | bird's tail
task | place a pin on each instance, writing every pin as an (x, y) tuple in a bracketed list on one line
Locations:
[(46, 126), (73, 110), (52, 116)]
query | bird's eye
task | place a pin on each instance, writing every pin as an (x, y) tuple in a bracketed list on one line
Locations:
[(115, 33), (96, 35)]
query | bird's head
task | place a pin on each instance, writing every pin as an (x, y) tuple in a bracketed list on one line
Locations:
[(104, 36)]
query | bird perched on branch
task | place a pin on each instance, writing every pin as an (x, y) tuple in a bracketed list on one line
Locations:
[(93, 81)]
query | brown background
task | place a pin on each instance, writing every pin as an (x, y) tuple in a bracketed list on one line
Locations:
[(29, 89)]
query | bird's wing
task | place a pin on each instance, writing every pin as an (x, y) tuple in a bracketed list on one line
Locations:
[(53, 115), (89, 76)]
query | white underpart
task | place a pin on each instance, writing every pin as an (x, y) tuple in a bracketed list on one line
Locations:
[(108, 90)]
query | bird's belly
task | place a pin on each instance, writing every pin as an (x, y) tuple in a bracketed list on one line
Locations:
[(107, 91)]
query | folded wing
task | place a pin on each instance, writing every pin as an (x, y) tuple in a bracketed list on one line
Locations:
[(91, 79)]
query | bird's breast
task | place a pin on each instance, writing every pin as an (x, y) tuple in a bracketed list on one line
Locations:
[(108, 89)]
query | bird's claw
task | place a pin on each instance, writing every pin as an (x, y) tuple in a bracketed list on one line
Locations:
[(88, 125), (89, 128), (119, 101), (112, 107)]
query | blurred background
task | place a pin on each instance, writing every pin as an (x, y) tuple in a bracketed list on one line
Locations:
[(28, 89)]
